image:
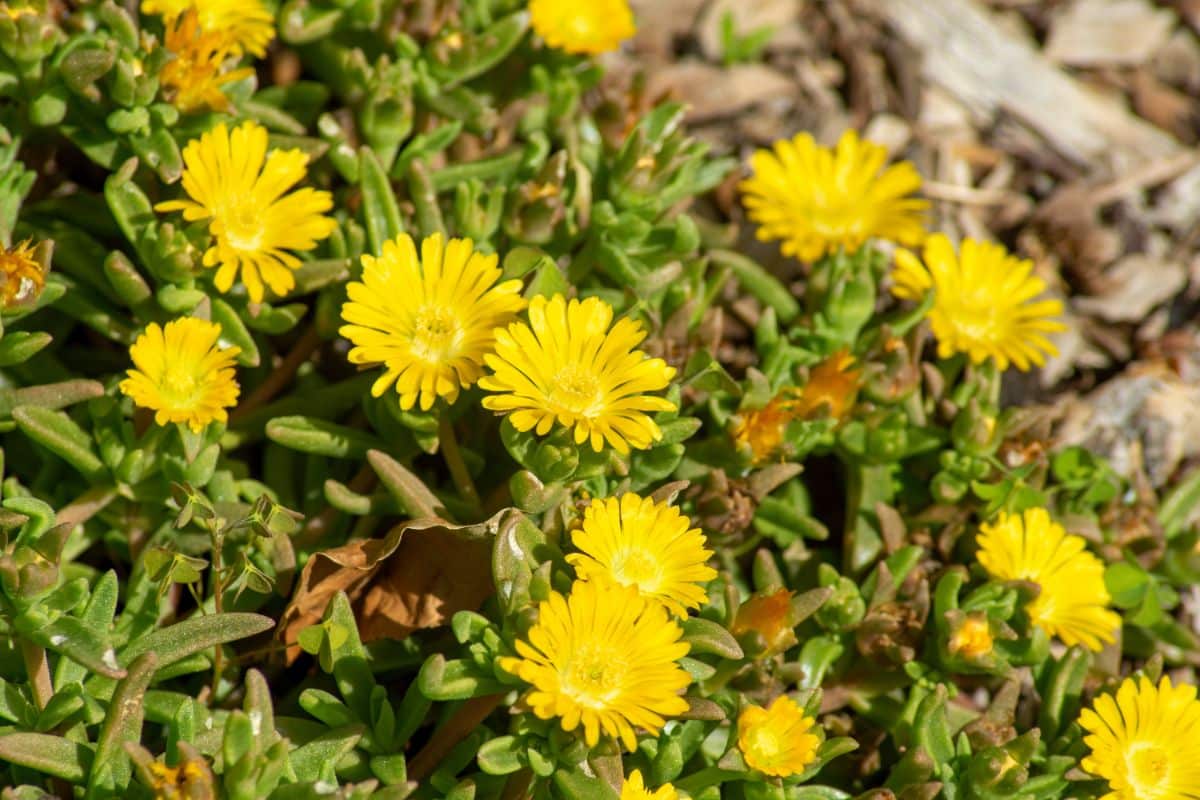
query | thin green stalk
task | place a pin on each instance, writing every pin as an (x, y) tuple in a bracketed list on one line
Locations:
[(454, 460)]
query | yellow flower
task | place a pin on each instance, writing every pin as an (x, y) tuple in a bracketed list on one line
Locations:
[(833, 384), (769, 615), (973, 639), (1146, 741), (430, 320), (595, 26), (760, 430), (817, 200), (239, 188), (635, 789), (567, 365), (182, 373), (196, 72), (983, 302), (248, 25), (776, 740), (645, 545), (22, 274), (603, 657), (15, 12), (1072, 603)]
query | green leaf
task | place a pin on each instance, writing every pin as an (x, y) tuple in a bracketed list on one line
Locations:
[(52, 755), (59, 434), (309, 435), (50, 395), (381, 214), (122, 724), (706, 636), (17, 347), (195, 635), (414, 496), (500, 756), (234, 332), (318, 757)]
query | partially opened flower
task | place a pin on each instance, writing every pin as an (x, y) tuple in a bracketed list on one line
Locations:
[(239, 188), (23, 276), (567, 366), (199, 65), (635, 789), (770, 615), (984, 302), (1145, 741), (595, 26), (605, 658), (182, 373), (817, 200), (777, 740), (1072, 601), (247, 25), (428, 319), (636, 542)]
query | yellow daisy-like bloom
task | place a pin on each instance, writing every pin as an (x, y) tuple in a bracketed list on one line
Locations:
[(603, 657), (430, 320), (566, 365), (194, 76), (1146, 741), (22, 275), (235, 185), (182, 374), (635, 789), (984, 302), (645, 545), (776, 740), (248, 25), (15, 12), (592, 27), (1073, 601), (817, 200)]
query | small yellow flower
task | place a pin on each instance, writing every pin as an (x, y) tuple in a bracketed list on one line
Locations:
[(635, 789), (776, 740), (235, 185), (592, 27), (248, 25), (566, 365), (603, 657), (832, 384), (973, 639), (429, 320), (983, 302), (645, 545), (817, 200), (769, 615), (196, 72), (1072, 603), (22, 274), (182, 374), (16, 11), (760, 431), (1146, 741)]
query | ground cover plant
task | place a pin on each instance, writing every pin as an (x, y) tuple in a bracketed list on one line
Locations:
[(375, 422)]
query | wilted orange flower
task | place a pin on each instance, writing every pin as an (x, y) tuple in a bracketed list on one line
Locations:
[(196, 72), (770, 615), (21, 273)]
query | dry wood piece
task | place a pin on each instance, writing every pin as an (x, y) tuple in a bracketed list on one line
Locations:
[(1093, 32), (990, 69)]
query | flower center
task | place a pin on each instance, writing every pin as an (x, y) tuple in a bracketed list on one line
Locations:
[(593, 676), (179, 384), (243, 226), (637, 567), (435, 333), (576, 390), (1148, 766), (972, 640), (765, 744)]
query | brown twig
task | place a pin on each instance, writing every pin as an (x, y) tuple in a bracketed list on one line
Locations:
[(281, 376), (457, 728)]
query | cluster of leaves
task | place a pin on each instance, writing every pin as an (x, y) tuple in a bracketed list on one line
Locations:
[(301, 603)]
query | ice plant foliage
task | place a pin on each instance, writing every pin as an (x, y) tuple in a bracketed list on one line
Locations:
[(777, 740), (182, 373), (429, 319), (596, 26), (571, 365), (1145, 741), (603, 658), (241, 191), (817, 200), (635, 789), (636, 542), (985, 302), (247, 25), (1072, 601)]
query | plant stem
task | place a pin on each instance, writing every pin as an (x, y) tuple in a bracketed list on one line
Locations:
[(454, 460), (468, 717), (38, 669), (218, 587), (305, 346), (698, 781), (517, 786)]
